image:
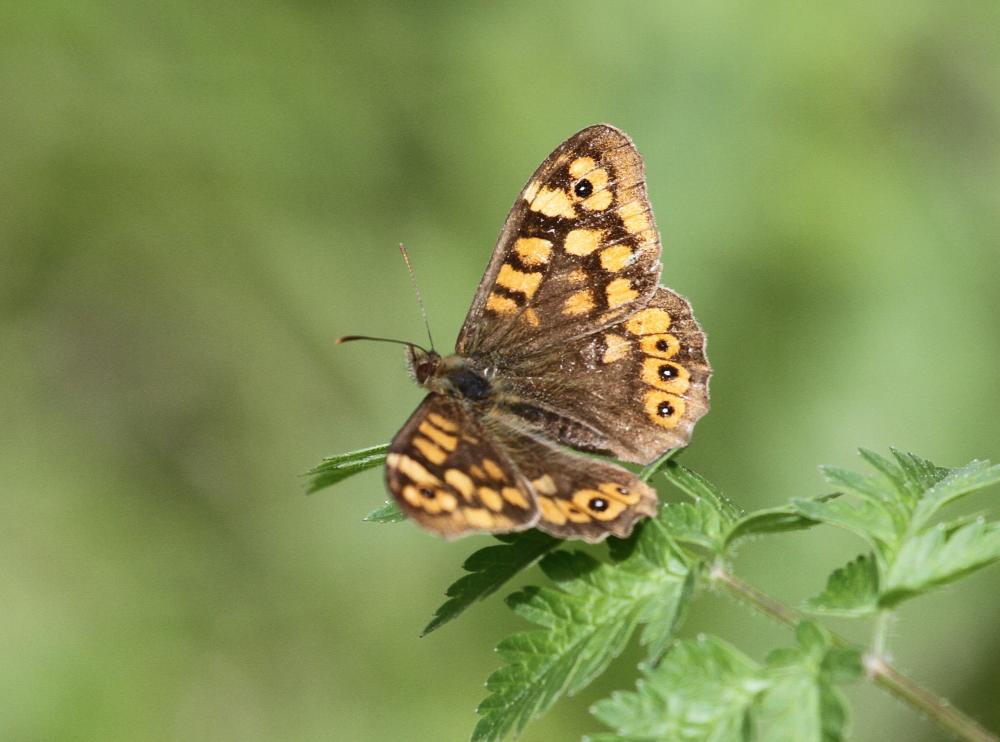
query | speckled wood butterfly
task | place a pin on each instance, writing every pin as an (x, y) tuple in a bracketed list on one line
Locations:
[(570, 340)]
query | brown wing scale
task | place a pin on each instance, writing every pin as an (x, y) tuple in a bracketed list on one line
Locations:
[(449, 475)]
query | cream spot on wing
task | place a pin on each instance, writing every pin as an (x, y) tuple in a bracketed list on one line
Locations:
[(413, 469), (572, 512), (599, 201), (494, 470), (544, 485), (620, 292), (581, 166), (554, 202), (501, 304), (635, 216), (445, 441), (579, 303), (616, 257), (491, 498), (515, 280), (446, 501), (477, 472), (582, 241), (431, 452), (442, 422), (649, 321), (460, 481), (531, 317), (514, 496), (533, 250), (598, 179), (412, 495), (478, 517), (577, 275), (551, 512), (531, 191), (615, 347)]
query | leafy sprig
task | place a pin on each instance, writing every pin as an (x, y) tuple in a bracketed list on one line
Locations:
[(707, 689), (894, 511)]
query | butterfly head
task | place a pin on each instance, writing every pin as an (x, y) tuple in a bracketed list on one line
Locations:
[(422, 363)]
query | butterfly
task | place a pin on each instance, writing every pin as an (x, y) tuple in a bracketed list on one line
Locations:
[(570, 345)]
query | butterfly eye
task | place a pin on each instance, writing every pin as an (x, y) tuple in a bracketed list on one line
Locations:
[(423, 371), (583, 188)]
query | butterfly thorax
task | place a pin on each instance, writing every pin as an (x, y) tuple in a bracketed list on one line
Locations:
[(454, 375)]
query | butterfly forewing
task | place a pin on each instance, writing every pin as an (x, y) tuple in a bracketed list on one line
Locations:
[(579, 250), (448, 474)]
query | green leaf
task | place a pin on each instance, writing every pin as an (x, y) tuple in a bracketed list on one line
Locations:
[(893, 512), (335, 468), (864, 486), (772, 520), (919, 474), (960, 482), (701, 690), (891, 472), (586, 620), (801, 702), (387, 513), (709, 690), (698, 488), (695, 523), (864, 518), (490, 568), (850, 591), (939, 555)]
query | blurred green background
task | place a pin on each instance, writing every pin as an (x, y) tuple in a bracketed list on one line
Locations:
[(196, 200)]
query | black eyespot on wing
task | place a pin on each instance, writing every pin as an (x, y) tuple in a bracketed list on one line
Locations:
[(583, 188), (667, 372), (598, 504), (664, 409)]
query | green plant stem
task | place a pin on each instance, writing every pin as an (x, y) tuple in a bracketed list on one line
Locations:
[(879, 671), (881, 630)]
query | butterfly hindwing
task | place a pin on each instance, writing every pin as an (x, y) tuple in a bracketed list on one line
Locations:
[(579, 250), (448, 474), (632, 390), (577, 497)]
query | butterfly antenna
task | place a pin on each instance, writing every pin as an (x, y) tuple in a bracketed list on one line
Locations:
[(416, 290), (351, 338)]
